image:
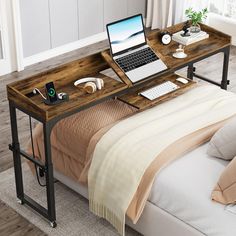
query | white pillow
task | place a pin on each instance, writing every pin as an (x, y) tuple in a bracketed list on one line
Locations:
[(223, 143)]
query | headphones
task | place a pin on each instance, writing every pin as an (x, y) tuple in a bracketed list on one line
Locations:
[(92, 84)]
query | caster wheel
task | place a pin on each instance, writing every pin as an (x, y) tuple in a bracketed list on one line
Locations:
[(20, 202), (53, 224)]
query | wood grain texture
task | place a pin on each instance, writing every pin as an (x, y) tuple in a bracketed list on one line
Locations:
[(11, 223), (107, 57), (211, 67), (21, 226), (63, 78), (141, 102), (196, 51)]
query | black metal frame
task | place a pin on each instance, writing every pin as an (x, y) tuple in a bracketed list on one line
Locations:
[(224, 82), (47, 168)]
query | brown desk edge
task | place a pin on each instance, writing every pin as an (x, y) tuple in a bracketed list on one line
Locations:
[(196, 51), (63, 78), (134, 99), (64, 75)]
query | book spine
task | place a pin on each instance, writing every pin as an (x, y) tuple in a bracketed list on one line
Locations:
[(178, 40), (189, 41)]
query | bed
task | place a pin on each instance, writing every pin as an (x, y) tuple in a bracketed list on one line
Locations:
[(179, 202), (190, 216)]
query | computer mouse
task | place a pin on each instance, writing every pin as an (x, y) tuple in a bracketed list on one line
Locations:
[(182, 80)]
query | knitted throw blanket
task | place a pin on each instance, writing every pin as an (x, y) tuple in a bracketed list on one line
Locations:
[(124, 154)]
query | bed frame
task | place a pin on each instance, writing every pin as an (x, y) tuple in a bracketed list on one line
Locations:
[(20, 96)]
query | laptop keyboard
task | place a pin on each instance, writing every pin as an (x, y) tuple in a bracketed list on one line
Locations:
[(137, 59)]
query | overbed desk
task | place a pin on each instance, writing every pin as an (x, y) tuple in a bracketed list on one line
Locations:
[(20, 97)]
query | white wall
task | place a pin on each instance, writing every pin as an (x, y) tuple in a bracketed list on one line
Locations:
[(7, 51), (1, 53), (49, 24), (224, 24), (1, 56)]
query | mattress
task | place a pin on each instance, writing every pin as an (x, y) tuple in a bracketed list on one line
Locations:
[(183, 189), (153, 221), (180, 201)]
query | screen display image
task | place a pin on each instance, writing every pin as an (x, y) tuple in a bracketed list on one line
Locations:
[(126, 34)]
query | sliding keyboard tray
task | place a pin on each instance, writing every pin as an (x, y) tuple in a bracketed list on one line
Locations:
[(133, 98)]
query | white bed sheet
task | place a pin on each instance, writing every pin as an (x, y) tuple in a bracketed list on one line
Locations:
[(180, 199), (183, 189)]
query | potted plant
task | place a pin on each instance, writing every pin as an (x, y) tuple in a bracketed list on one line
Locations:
[(196, 18)]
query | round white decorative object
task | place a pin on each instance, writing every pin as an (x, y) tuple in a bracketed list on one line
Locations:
[(179, 55), (166, 39)]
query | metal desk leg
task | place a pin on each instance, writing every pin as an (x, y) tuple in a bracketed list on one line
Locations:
[(190, 71), (16, 154), (225, 81), (49, 175)]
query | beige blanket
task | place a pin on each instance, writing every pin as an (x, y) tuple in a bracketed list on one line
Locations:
[(71, 137), (74, 139), (127, 157)]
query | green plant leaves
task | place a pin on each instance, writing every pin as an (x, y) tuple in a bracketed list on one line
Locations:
[(196, 17)]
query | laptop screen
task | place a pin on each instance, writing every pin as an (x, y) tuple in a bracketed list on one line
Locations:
[(126, 34)]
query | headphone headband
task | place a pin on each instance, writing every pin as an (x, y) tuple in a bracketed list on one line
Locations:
[(85, 80)]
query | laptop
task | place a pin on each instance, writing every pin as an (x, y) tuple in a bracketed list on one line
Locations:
[(130, 50)]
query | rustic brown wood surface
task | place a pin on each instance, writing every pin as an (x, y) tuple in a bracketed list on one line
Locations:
[(141, 102), (107, 57), (11, 223), (196, 51), (210, 67), (63, 76)]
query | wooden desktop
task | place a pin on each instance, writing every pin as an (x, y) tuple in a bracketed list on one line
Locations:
[(20, 96)]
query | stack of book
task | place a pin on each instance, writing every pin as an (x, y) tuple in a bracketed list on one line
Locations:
[(193, 38)]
